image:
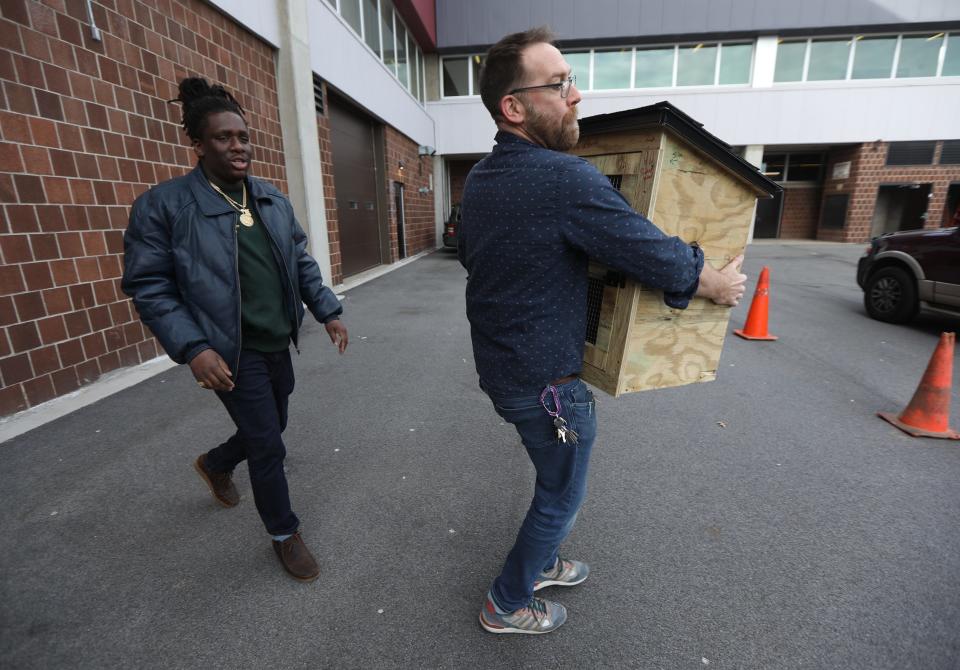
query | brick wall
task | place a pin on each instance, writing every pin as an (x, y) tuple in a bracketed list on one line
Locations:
[(458, 175), (419, 227), (84, 129), (868, 171), (801, 208)]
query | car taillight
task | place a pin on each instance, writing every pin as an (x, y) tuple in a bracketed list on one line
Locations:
[(449, 230)]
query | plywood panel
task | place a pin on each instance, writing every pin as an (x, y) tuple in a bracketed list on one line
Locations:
[(619, 143), (639, 174), (700, 202)]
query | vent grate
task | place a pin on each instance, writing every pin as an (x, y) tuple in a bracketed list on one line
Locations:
[(594, 302), (911, 153), (616, 180), (318, 94)]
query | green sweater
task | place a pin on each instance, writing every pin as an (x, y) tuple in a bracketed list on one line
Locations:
[(265, 324)]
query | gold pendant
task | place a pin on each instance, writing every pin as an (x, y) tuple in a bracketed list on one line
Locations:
[(246, 218)]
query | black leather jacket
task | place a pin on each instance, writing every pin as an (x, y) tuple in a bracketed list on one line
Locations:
[(180, 265)]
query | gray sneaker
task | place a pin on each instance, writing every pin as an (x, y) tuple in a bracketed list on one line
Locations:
[(540, 616), (564, 573)]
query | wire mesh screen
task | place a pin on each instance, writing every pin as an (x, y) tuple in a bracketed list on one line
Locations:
[(594, 301), (615, 180)]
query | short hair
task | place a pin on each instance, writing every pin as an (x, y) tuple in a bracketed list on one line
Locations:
[(503, 66), (201, 99)]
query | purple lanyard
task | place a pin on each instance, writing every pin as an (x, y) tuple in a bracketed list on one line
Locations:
[(556, 400)]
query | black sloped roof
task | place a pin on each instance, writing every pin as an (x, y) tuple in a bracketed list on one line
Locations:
[(665, 114)]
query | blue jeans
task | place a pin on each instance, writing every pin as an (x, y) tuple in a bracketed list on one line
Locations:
[(560, 487), (258, 406)]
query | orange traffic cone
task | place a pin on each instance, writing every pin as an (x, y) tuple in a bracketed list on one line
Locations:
[(756, 326), (928, 414)]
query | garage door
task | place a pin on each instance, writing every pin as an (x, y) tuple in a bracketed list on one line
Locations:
[(355, 183)]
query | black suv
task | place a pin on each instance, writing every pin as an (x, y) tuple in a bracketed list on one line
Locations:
[(900, 273), (451, 229)]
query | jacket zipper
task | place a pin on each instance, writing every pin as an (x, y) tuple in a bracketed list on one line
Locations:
[(293, 293), (236, 272)]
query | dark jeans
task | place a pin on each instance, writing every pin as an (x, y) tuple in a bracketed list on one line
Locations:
[(560, 487), (258, 406)]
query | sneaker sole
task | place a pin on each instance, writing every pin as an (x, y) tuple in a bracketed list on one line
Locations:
[(206, 480), (550, 582), (499, 630)]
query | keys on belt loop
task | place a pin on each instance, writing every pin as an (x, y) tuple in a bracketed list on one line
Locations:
[(564, 432)]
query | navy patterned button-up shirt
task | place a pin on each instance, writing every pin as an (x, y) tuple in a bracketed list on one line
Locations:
[(531, 218)]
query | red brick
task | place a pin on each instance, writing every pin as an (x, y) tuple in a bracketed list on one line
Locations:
[(29, 188), (39, 390), (147, 349), (36, 160), (29, 72), (12, 400), (57, 300), (44, 246), (43, 19), (114, 338), (77, 323), (52, 329), (93, 243), (75, 218), (11, 279), (22, 218), (65, 381), (74, 112), (63, 163), (97, 115), (70, 137), (114, 239), (57, 80), (16, 10), (61, 53), (110, 266), (16, 248), (88, 372), (44, 132), (109, 362), (20, 98), (15, 369), (87, 166), (24, 336), (108, 168), (29, 306), (93, 141), (44, 360), (7, 194), (37, 275), (57, 189), (105, 291), (100, 317), (93, 345), (64, 272), (103, 190), (70, 246), (81, 191), (82, 296), (10, 158), (15, 127), (70, 352), (129, 356), (88, 269), (48, 104), (7, 314)]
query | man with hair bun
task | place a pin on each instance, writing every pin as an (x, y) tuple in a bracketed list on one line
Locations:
[(218, 270)]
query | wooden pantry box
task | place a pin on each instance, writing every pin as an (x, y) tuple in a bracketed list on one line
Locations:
[(690, 184)]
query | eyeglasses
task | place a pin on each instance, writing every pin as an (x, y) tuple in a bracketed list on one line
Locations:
[(562, 86)]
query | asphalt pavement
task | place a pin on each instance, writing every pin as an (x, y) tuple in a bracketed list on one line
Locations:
[(765, 520)]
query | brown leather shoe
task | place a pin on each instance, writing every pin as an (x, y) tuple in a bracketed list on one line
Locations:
[(297, 559), (219, 483)]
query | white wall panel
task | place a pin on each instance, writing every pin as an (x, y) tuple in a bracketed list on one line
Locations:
[(259, 17), (340, 58), (851, 112)]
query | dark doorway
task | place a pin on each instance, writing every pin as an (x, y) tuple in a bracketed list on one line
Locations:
[(767, 221), (355, 182), (401, 241), (951, 213), (900, 207)]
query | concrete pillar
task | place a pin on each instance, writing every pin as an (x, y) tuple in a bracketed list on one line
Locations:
[(764, 62), (753, 154), (298, 123), (440, 196)]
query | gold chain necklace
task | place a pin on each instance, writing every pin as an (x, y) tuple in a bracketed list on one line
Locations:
[(246, 216)]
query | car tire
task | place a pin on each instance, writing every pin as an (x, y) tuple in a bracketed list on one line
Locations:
[(890, 295)]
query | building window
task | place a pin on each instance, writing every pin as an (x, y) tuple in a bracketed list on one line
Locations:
[(455, 77), (579, 62), (403, 72), (911, 153), (919, 55), (950, 153), (735, 63), (828, 60), (350, 11), (371, 25), (951, 60), (790, 57), (386, 32), (654, 68), (835, 211), (476, 63), (611, 69), (873, 57), (798, 167), (696, 65)]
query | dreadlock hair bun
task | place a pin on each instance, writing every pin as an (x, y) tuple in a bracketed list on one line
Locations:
[(200, 99)]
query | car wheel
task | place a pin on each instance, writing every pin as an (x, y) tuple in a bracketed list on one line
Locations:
[(891, 295)]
